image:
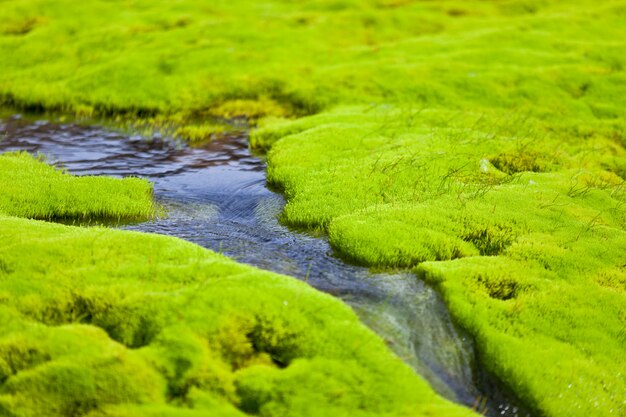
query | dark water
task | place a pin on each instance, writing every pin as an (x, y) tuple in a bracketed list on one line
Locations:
[(216, 197)]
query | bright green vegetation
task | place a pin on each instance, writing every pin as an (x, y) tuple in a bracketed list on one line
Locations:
[(522, 230), (199, 133), (481, 143), (279, 57), (99, 322), (31, 188)]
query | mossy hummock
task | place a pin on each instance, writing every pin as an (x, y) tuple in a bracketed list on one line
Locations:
[(31, 188), (99, 322), (531, 263)]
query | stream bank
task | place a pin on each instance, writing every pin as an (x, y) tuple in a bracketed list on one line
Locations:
[(216, 197)]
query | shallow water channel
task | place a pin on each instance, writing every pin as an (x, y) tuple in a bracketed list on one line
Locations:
[(216, 196)]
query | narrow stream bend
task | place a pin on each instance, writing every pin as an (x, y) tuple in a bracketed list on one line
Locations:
[(216, 197)]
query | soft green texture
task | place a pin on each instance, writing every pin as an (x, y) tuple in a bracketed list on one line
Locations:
[(481, 140), (99, 322), (285, 57), (530, 258), (31, 188)]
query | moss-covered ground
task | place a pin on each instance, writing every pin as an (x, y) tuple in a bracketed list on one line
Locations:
[(531, 261), (31, 188), (480, 142), (101, 322)]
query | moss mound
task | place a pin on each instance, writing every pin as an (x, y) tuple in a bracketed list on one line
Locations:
[(31, 188), (531, 263), (97, 322), (101, 322)]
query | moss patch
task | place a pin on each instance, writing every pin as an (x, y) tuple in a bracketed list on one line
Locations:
[(485, 140), (31, 188), (529, 262), (136, 324)]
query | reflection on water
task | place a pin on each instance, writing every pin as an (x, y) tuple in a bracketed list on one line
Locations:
[(216, 197)]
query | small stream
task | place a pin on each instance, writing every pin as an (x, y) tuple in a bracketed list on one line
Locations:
[(216, 196)]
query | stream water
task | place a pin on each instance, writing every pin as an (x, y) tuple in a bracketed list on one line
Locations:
[(216, 196)]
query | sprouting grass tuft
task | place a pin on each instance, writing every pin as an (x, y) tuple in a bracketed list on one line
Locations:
[(200, 133)]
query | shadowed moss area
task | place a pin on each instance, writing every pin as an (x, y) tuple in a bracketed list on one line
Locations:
[(31, 188), (98, 322)]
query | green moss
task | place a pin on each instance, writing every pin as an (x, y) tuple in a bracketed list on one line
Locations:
[(552, 242), (252, 108), (31, 188), (137, 324), (199, 133), (533, 325), (275, 58), (484, 140)]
